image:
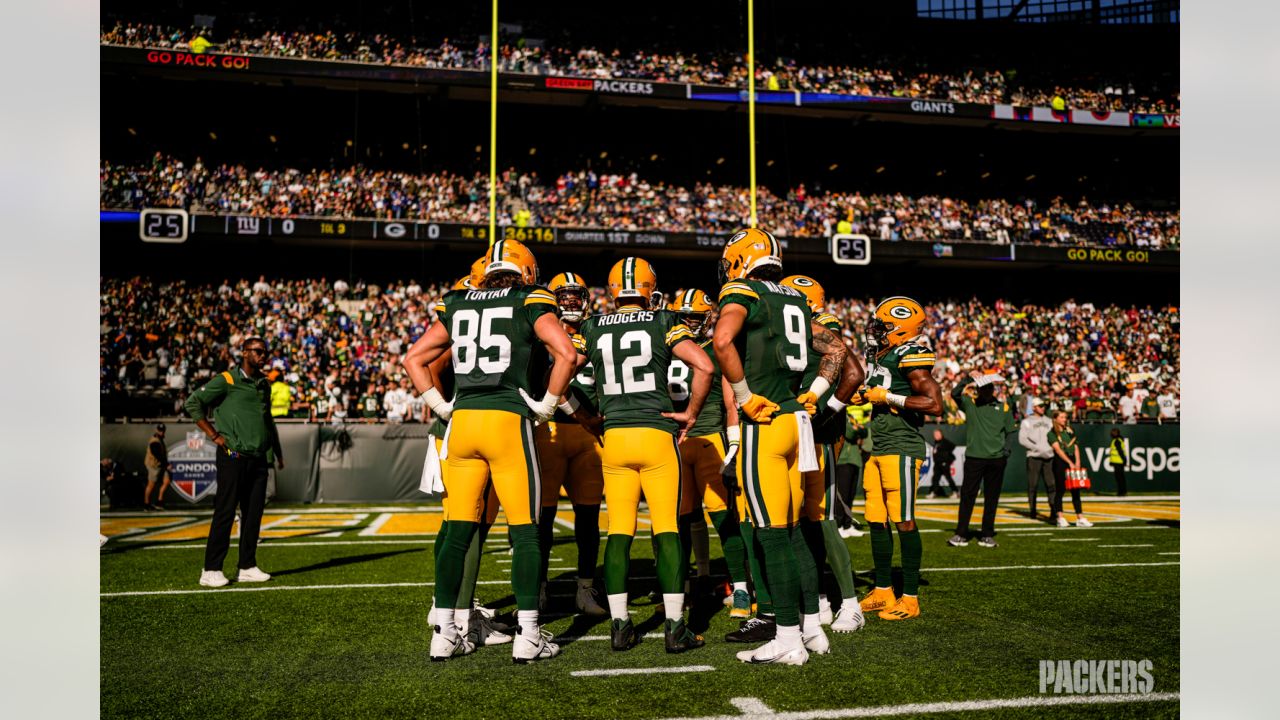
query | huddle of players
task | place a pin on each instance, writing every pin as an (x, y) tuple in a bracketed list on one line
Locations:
[(654, 401)]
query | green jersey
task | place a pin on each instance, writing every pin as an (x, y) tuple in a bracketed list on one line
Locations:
[(1066, 440), (496, 352), (897, 430), (368, 405), (711, 418), (775, 341), (582, 386), (631, 353)]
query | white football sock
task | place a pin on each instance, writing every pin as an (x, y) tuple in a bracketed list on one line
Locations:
[(431, 615), (618, 606), (823, 603), (789, 636), (740, 586), (850, 602), (673, 603), (810, 623), (528, 620), (444, 621)]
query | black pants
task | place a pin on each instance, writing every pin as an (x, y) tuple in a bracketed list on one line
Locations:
[(989, 474), (241, 481), (1040, 469), (1122, 489), (846, 491), (942, 474), (1060, 477)]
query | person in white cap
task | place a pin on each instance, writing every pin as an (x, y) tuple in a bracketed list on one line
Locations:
[(1033, 435), (988, 422)]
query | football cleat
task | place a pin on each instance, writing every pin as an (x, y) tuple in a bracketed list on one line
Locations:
[(757, 629), (443, 648), (907, 608), (825, 616), (632, 277), (958, 540), (987, 542), (525, 650), (878, 599), (817, 642), (679, 637), (849, 618), (485, 632), (588, 602), (1082, 521), (746, 251), (213, 578), (622, 635), (851, 532), (252, 574), (485, 611), (740, 604), (772, 653)]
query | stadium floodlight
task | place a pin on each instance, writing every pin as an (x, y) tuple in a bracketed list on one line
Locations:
[(850, 249), (163, 225)]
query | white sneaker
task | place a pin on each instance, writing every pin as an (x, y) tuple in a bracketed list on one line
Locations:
[(773, 653), (817, 642), (485, 632), (487, 612), (851, 532), (824, 611), (1062, 522), (443, 648), (1082, 521), (587, 602), (849, 619), (102, 539), (525, 650), (213, 578), (252, 574)]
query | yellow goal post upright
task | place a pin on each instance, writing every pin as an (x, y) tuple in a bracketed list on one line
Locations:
[(493, 125)]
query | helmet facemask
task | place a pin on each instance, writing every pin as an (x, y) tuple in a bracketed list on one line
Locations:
[(572, 303)]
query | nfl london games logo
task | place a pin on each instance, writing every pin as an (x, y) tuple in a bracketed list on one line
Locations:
[(195, 473)]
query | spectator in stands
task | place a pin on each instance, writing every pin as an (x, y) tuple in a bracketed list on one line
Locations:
[(1033, 435), (159, 469), (396, 401), (1168, 403), (1129, 405), (370, 408), (1066, 457), (1150, 410)]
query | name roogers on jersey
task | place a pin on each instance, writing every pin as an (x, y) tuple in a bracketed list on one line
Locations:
[(621, 318)]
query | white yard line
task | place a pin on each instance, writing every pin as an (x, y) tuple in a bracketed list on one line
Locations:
[(564, 523), (753, 708), (376, 525), (1147, 545), (1042, 530), (277, 544), (1169, 553), (566, 581), (642, 671), (1072, 539)]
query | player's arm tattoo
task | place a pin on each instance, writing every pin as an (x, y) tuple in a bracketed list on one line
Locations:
[(833, 353)]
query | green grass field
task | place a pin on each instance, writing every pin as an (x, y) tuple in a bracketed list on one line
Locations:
[(341, 631)]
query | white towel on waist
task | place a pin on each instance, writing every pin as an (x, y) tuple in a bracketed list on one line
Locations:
[(808, 453), (432, 479)]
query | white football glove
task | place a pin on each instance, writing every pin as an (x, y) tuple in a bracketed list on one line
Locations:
[(734, 434), (542, 409)]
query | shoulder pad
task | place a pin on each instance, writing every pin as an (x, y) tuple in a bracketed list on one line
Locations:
[(827, 320), (738, 287), (534, 295)]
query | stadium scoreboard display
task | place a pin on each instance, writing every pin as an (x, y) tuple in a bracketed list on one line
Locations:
[(163, 225), (850, 249)]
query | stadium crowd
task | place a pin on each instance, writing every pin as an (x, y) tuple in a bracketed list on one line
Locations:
[(338, 346), (888, 79), (584, 198)]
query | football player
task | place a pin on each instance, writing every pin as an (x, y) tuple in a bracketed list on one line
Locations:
[(901, 388), (472, 622), (570, 456), (763, 339), (631, 350), (493, 333), (819, 518), (711, 446)]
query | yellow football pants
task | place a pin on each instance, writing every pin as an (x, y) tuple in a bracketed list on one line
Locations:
[(497, 444), (570, 458), (769, 470), (488, 506), (701, 459), (890, 482), (820, 486), (638, 459)]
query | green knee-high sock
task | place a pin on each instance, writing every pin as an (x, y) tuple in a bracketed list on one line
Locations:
[(671, 562), (449, 569), (439, 547), (617, 563), (912, 551), (780, 573), (685, 526), (882, 554), (735, 552), (471, 570), (586, 534), (804, 540), (838, 559), (546, 532), (524, 566), (755, 554)]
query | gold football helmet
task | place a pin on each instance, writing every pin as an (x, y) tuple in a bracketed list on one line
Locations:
[(747, 250), (477, 270), (895, 321), (571, 296), (813, 292), (463, 283), (633, 277), (693, 306), (512, 256)]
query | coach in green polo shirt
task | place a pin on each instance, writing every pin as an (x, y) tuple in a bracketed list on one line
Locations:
[(988, 421), (242, 428)]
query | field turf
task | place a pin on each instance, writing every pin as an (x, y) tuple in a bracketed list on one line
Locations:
[(351, 638)]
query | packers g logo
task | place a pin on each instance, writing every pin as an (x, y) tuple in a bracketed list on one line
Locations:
[(741, 234), (802, 281), (902, 312)]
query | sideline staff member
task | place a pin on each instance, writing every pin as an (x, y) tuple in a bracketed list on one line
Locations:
[(240, 399), (987, 422)]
